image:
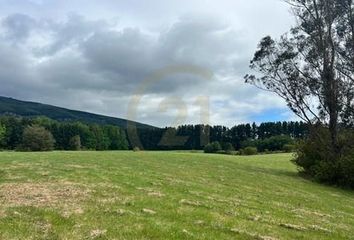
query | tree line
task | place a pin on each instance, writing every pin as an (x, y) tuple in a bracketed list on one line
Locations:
[(195, 137), (20, 133), (41, 133)]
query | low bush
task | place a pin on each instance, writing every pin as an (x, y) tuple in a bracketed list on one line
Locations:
[(36, 138), (272, 144), (289, 148), (346, 164), (249, 143), (275, 143), (136, 149), (2, 134), (249, 151), (316, 158), (228, 148), (213, 147), (75, 143)]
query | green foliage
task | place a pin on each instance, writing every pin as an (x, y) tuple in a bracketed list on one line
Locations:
[(275, 143), (37, 138), (249, 143), (117, 137), (136, 149), (14, 129), (2, 134), (228, 148), (346, 164), (213, 147), (67, 135), (151, 138), (311, 68), (101, 141), (271, 144), (75, 143), (110, 137), (316, 157), (249, 151), (289, 148)]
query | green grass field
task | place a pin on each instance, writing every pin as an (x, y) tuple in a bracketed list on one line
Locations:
[(166, 195)]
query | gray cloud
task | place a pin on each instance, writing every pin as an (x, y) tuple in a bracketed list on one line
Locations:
[(18, 26), (96, 63)]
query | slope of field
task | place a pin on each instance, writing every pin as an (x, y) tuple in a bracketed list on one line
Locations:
[(31, 109), (165, 195)]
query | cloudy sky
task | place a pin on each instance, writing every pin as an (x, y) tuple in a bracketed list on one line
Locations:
[(155, 61)]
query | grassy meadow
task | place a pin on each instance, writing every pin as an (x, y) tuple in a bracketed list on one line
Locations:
[(166, 195)]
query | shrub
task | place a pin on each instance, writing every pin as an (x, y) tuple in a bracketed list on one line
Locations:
[(249, 151), (75, 143), (275, 143), (36, 138), (289, 148), (136, 149), (228, 148), (249, 143), (316, 158), (346, 164), (2, 134), (213, 147), (272, 144)]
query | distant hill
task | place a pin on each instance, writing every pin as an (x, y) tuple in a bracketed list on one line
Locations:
[(10, 106)]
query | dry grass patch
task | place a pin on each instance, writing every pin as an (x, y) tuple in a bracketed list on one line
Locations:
[(319, 228), (52, 194), (156, 194), (151, 192), (190, 203), (97, 233), (293, 226), (2, 213), (252, 235), (313, 213), (148, 211), (77, 166)]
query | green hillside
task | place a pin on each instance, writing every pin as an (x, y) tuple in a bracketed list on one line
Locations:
[(32, 109), (166, 195)]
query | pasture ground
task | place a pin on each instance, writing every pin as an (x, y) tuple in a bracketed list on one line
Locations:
[(166, 195)]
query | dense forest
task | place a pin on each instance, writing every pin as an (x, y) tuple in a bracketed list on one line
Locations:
[(195, 137), (68, 135)]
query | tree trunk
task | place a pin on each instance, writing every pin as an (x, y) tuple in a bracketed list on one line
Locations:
[(331, 89)]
